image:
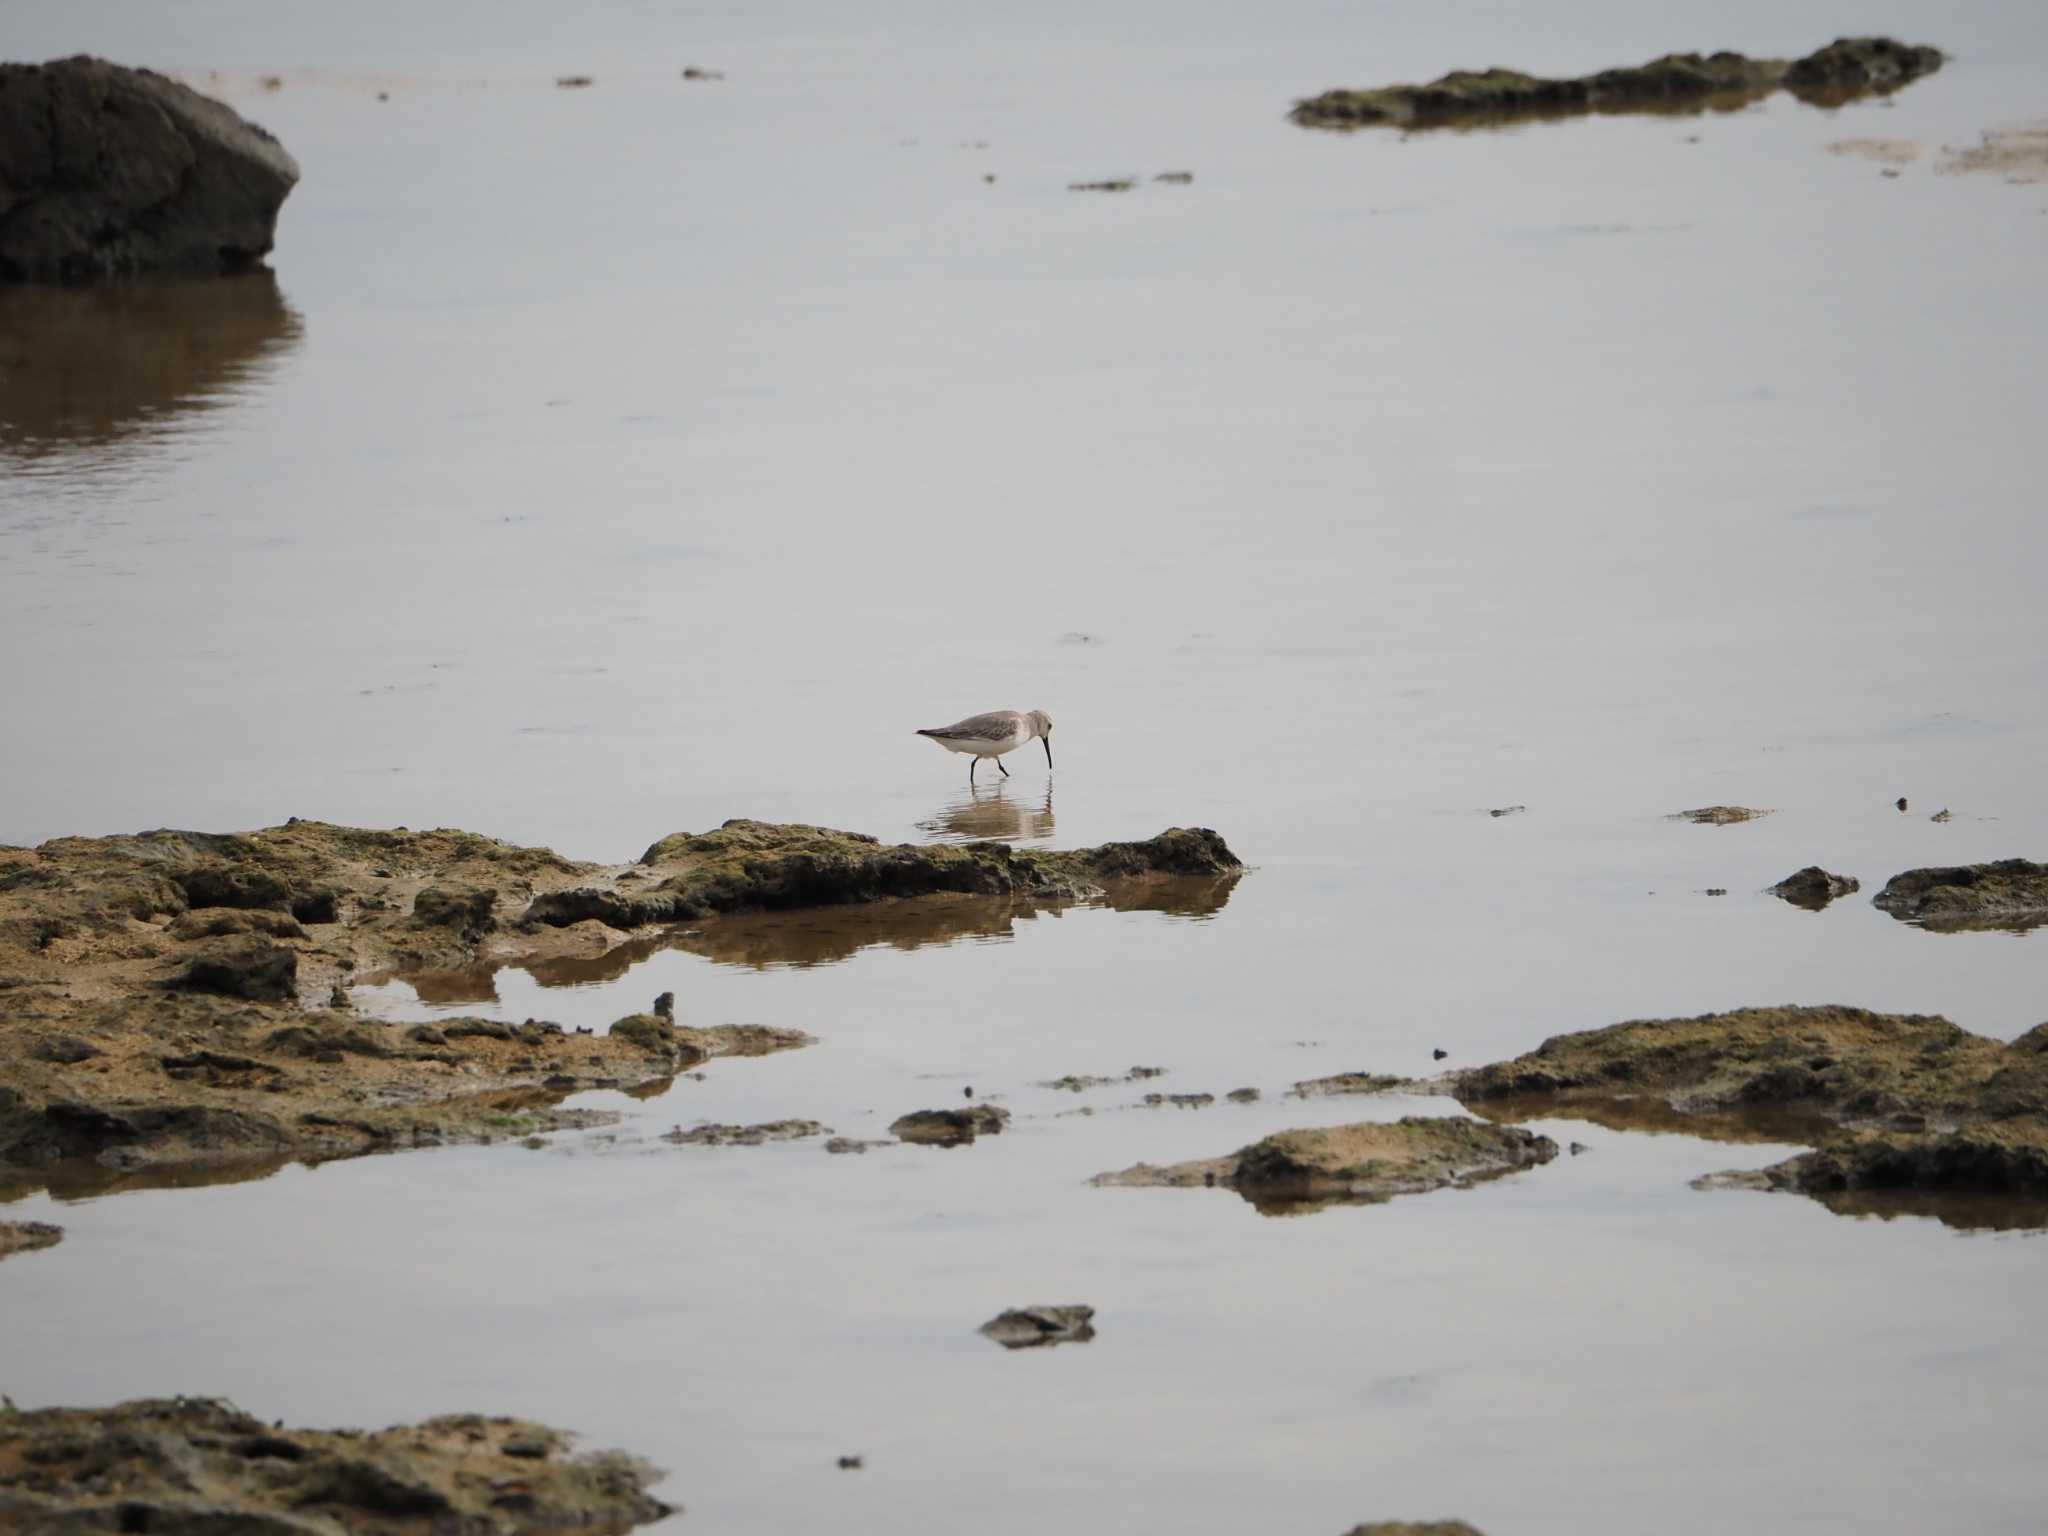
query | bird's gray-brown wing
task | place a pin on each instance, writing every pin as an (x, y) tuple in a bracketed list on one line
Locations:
[(996, 725)]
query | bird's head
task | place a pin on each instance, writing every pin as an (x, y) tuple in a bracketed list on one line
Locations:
[(1041, 727)]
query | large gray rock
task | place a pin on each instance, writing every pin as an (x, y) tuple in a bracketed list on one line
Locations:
[(108, 171)]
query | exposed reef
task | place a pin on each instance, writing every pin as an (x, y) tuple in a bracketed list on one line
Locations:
[(178, 1000), (199, 1465), (753, 866), (2011, 893), (1887, 1101), (1305, 1170), (1677, 82)]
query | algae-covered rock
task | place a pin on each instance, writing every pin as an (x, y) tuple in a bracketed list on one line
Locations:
[(1037, 1327), (1814, 887), (197, 1465), (748, 866), (949, 1127), (1720, 815), (1349, 1082), (439, 906), (221, 922), (1887, 1101), (1852, 66), (2008, 893), (1365, 1163), (1677, 82), (710, 1135), (27, 1237)]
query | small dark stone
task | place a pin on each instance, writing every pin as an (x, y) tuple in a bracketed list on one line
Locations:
[(66, 1050), (850, 1463), (1439, 1053), (665, 1006), (249, 967), (1902, 802)]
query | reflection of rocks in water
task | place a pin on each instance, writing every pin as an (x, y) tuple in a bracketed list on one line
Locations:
[(84, 368), (826, 935), (990, 815), (1964, 1210)]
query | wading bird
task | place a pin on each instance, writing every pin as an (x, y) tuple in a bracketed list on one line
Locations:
[(993, 734)]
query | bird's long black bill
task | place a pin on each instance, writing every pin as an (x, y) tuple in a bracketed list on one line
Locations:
[(1046, 742)]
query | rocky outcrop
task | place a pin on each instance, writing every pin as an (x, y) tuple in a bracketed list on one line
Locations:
[(108, 171), (949, 1127), (194, 1464), (27, 1237), (1814, 887), (1306, 1170), (178, 999), (1036, 1327), (1677, 82), (1887, 1101), (2008, 893), (752, 866)]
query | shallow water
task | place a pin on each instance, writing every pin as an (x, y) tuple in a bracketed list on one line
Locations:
[(610, 462)]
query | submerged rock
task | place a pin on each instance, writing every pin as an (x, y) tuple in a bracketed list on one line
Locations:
[(1719, 815), (1813, 887), (950, 1127), (108, 171), (194, 1464), (709, 1135), (1677, 82), (2010, 892), (1365, 1163), (1349, 1082), (27, 1237), (1031, 1327), (1887, 1101)]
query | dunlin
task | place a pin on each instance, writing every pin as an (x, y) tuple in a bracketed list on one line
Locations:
[(993, 734)]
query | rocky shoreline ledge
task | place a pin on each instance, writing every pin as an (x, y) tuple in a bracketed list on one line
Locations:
[(179, 999), (196, 1464)]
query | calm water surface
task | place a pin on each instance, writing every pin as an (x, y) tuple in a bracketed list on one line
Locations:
[(602, 463)]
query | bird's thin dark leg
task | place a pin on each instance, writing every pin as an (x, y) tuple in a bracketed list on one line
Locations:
[(999, 765), (972, 764)]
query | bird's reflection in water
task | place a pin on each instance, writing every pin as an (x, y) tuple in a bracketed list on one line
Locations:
[(990, 813)]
